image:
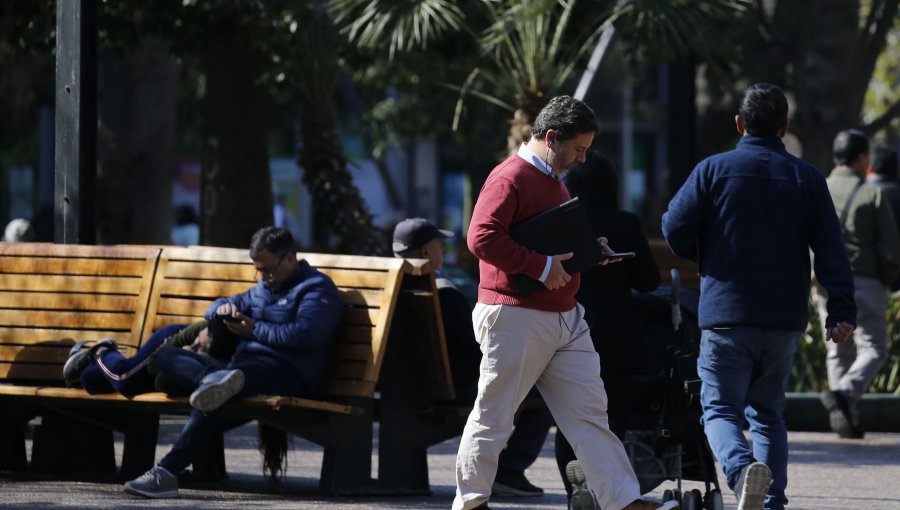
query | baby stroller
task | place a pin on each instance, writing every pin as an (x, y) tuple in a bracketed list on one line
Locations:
[(664, 438)]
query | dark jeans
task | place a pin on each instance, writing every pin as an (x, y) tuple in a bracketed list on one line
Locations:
[(262, 376), (128, 376)]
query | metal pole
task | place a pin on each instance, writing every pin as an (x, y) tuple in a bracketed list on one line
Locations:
[(76, 121), (594, 63)]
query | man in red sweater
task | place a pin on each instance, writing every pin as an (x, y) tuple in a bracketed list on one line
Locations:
[(541, 337)]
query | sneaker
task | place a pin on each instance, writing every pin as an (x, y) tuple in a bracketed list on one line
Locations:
[(157, 483), (839, 416), (752, 486), (216, 388), (582, 497), (80, 360), (511, 483)]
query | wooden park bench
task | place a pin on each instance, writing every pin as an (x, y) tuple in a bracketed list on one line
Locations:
[(53, 295)]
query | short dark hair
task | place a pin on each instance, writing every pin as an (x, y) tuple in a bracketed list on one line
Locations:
[(566, 115), (884, 160), (764, 109), (848, 145), (277, 241)]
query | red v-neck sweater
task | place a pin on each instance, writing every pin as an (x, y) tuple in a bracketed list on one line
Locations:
[(514, 191)]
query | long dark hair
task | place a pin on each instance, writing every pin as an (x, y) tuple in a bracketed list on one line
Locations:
[(273, 444), (595, 180)]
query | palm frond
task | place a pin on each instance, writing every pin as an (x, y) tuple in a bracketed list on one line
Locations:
[(404, 24)]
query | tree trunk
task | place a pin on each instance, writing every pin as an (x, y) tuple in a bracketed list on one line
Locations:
[(336, 200), (824, 84), (236, 197), (136, 147)]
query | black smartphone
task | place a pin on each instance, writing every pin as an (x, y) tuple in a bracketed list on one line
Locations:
[(226, 317), (620, 255)]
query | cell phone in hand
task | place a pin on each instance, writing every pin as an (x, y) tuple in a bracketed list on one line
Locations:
[(620, 255), (227, 317)]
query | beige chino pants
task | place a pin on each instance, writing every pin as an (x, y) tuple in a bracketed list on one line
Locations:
[(522, 347)]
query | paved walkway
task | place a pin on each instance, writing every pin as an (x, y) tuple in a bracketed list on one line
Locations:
[(825, 474)]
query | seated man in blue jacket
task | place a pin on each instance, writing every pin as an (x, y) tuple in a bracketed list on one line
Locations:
[(285, 326)]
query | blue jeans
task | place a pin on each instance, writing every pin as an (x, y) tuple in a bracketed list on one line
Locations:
[(744, 372), (262, 376)]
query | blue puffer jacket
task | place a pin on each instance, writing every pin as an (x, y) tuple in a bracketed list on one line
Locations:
[(750, 217), (294, 323)]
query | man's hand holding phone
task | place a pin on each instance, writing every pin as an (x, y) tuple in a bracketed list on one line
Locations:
[(610, 255), (235, 321)]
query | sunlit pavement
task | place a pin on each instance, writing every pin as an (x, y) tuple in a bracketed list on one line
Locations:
[(826, 473)]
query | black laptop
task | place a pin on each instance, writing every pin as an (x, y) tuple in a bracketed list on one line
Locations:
[(562, 229)]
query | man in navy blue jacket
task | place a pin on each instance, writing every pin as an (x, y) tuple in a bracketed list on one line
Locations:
[(749, 218), (284, 326)]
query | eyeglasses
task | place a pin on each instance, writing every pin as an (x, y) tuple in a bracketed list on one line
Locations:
[(269, 271)]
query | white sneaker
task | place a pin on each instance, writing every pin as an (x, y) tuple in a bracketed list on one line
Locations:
[(156, 483), (582, 497), (216, 388), (752, 486)]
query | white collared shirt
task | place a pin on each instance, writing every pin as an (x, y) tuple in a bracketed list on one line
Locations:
[(536, 161)]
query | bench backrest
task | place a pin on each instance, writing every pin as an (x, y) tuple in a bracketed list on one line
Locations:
[(54, 295), (189, 279)]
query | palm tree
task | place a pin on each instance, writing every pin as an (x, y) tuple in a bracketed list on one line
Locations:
[(529, 49), (336, 199)]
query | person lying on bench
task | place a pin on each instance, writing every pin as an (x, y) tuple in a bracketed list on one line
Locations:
[(103, 369), (286, 324)]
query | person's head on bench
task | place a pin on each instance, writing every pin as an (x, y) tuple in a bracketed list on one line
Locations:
[(418, 238), (274, 255)]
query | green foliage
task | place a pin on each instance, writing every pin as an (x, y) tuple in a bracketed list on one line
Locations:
[(406, 24), (883, 92), (809, 373)]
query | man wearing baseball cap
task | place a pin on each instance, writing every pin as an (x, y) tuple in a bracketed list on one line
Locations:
[(419, 238)]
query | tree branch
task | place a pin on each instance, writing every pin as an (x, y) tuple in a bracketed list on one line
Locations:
[(883, 120)]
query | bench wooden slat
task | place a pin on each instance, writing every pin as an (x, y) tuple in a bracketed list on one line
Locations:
[(361, 297), (75, 251), (346, 351), (35, 353), (60, 283), (69, 320), (66, 301), (71, 266), (182, 306), (30, 371), (183, 269), (208, 289), (353, 334), (34, 336), (355, 279)]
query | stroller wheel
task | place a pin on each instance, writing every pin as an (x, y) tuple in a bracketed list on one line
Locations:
[(691, 500), (714, 500), (668, 495)]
